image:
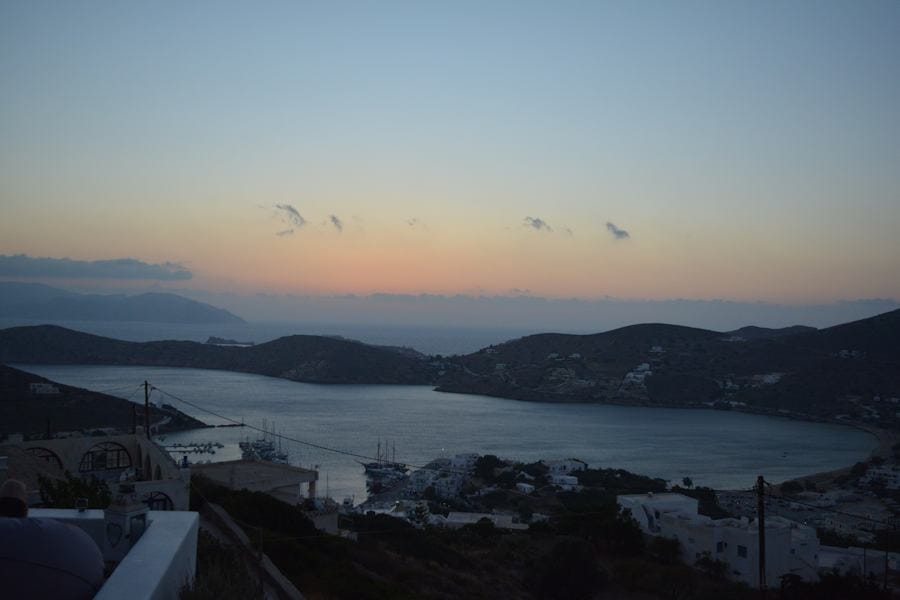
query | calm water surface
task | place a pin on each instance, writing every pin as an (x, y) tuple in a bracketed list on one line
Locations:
[(715, 448)]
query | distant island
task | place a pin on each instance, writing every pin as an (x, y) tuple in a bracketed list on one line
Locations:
[(38, 301), (848, 373), (217, 341), (309, 358)]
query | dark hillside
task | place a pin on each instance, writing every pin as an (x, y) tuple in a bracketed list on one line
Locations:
[(22, 410), (315, 359), (841, 370), (752, 332), (878, 335)]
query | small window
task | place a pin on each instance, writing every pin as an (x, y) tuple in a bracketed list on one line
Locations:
[(742, 551), (720, 547)]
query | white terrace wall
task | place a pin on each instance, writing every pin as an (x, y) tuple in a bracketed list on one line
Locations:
[(159, 478)]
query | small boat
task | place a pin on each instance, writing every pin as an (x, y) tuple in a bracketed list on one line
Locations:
[(381, 468)]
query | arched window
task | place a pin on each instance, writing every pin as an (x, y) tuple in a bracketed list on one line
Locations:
[(157, 473), (159, 501), (48, 456), (105, 456)]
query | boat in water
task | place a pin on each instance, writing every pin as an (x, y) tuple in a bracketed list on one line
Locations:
[(264, 449), (382, 468)]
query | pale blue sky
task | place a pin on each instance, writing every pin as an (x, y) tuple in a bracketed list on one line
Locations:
[(752, 150)]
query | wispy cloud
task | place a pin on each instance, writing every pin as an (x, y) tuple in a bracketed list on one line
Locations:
[(22, 265), (619, 234), (284, 233), (291, 215), (537, 224), (336, 222), (568, 231)]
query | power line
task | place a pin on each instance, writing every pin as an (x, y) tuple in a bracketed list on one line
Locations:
[(835, 511), (115, 389), (354, 454), (299, 441)]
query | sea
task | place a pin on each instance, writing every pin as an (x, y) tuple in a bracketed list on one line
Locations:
[(323, 426)]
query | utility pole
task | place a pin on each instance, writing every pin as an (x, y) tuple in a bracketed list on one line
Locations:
[(761, 521), (147, 409)]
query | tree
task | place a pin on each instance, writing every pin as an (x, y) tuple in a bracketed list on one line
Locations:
[(688, 482), (485, 465), (65, 493), (430, 493), (713, 567)]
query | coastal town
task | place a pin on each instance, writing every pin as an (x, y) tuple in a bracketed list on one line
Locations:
[(838, 524)]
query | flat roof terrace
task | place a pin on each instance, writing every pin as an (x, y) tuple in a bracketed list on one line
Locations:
[(281, 481)]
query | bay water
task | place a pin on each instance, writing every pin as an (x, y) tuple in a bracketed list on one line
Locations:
[(721, 449)]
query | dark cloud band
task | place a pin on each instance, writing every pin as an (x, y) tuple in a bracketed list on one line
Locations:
[(22, 265)]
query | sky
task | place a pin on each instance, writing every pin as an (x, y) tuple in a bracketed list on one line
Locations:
[(746, 152)]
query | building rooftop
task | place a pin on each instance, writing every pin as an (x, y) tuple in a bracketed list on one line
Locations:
[(156, 567)]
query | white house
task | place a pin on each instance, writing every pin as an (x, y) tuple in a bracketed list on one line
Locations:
[(448, 485), (525, 488), (790, 547), (464, 462), (565, 467), (420, 480), (43, 389), (568, 483), (647, 509)]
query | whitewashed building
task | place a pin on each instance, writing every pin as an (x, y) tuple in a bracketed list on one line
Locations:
[(464, 462), (524, 488), (565, 467), (448, 485), (567, 483), (790, 546), (159, 481)]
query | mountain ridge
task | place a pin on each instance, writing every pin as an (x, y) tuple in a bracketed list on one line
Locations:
[(39, 301), (73, 409), (823, 373), (308, 358)]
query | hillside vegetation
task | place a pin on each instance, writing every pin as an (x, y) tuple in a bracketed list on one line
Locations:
[(73, 409), (309, 358), (850, 371), (815, 372)]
